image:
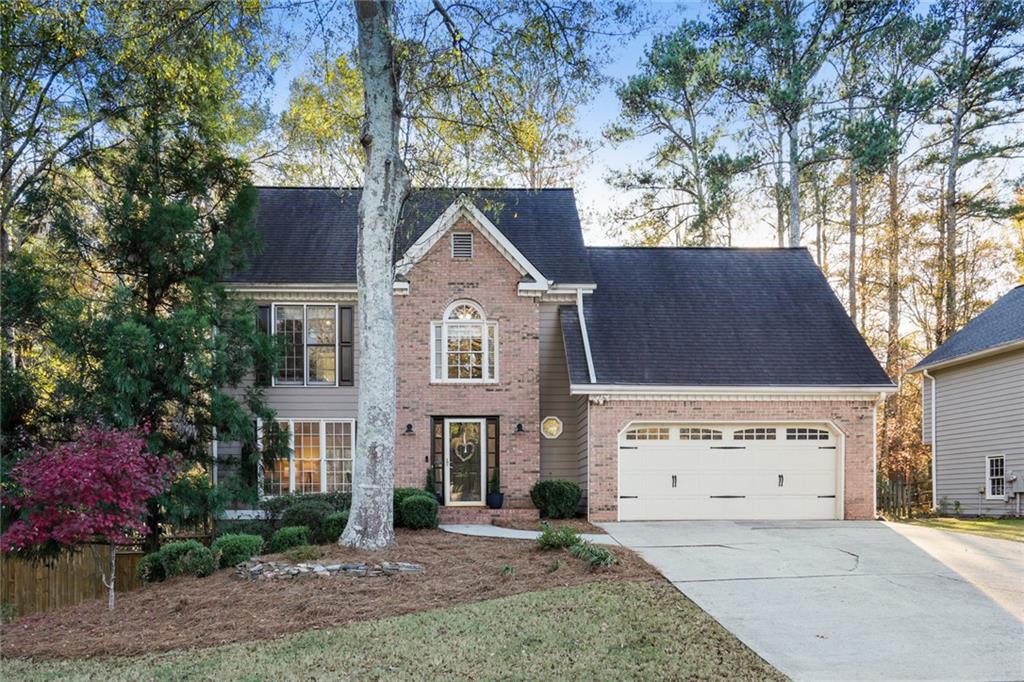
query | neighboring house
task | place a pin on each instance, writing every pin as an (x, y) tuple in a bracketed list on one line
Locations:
[(972, 391), (668, 383)]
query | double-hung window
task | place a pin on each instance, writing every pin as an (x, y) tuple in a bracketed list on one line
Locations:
[(316, 341), (319, 460), (995, 477), (464, 346)]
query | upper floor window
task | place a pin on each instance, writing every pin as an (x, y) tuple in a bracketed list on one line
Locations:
[(995, 477), (314, 336), (464, 345)]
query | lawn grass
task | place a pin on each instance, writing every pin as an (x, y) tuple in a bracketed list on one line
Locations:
[(1004, 529), (597, 631)]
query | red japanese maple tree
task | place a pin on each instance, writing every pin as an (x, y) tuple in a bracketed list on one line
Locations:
[(94, 488)]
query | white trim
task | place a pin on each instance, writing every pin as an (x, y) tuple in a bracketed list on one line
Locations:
[(977, 355), (305, 350), (874, 457), (840, 502), (463, 208), (586, 338), (487, 326), (322, 459), (483, 461), (934, 443), (988, 478)]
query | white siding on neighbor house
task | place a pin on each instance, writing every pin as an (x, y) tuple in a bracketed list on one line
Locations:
[(559, 456), (980, 413)]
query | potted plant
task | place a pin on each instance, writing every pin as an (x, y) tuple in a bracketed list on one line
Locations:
[(431, 486), (495, 498)]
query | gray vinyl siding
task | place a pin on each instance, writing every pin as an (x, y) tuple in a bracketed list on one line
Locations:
[(980, 413), (558, 457), (583, 444)]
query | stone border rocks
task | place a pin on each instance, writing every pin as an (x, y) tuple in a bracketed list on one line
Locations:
[(257, 569)]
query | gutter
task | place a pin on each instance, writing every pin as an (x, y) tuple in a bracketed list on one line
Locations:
[(659, 389), (935, 441), (586, 338)]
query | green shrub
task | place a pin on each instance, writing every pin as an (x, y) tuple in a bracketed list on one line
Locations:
[(419, 511), (402, 494), (246, 527), (309, 513), (556, 499), (303, 553), (177, 558), (594, 555), (557, 539), (234, 549), (334, 526), (288, 537), (276, 506)]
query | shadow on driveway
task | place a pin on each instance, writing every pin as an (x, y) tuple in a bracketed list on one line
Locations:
[(848, 600)]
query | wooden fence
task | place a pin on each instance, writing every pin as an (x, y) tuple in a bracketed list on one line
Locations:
[(29, 586)]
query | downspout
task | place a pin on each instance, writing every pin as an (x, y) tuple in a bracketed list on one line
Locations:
[(874, 456), (935, 443), (586, 339)]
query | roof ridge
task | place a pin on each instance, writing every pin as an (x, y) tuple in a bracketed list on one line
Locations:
[(701, 248)]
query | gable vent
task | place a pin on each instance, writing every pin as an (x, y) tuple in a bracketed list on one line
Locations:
[(462, 244)]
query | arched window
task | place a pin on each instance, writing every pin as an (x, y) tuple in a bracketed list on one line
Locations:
[(464, 345)]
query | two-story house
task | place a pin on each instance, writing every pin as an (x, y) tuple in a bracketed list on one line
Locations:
[(683, 383)]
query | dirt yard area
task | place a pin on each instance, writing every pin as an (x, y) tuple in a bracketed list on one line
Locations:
[(578, 525), (192, 612)]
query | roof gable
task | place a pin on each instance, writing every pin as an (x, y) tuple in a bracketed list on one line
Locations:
[(463, 208), (998, 326)]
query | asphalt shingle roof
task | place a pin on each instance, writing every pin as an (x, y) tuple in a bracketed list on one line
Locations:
[(715, 317), (309, 234), (1001, 323)]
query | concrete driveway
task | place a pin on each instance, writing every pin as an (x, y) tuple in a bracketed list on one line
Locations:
[(850, 600)]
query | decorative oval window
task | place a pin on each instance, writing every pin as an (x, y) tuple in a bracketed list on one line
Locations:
[(551, 427)]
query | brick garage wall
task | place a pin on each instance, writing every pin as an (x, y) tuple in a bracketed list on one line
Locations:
[(491, 281), (853, 417)]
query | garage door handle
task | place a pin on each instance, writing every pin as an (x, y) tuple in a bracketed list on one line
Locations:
[(782, 480), (629, 447), (629, 497)]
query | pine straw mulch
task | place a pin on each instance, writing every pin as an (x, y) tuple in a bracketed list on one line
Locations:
[(191, 612)]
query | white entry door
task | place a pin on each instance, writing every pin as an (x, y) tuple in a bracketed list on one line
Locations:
[(728, 471)]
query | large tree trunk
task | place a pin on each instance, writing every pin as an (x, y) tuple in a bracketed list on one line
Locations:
[(853, 244), (794, 184), (949, 262), (780, 191), (385, 187)]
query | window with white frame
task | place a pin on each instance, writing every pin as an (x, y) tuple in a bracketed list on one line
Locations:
[(464, 345), (320, 459), (310, 344), (995, 477)]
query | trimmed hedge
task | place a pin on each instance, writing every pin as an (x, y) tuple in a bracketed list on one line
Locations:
[(288, 537), (402, 494), (308, 513), (177, 558), (276, 506), (236, 548), (334, 526), (419, 511), (556, 499)]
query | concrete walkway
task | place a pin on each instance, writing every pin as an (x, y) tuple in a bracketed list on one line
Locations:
[(489, 531), (854, 600)]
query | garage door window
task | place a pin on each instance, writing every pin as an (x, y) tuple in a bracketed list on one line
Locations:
[(693, 433), (648, 433), (754, 434), (806, 434)]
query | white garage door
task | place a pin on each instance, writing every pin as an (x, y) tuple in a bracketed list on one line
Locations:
[(728, 471)]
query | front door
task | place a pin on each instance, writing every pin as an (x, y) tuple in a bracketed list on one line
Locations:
[(464, 461)]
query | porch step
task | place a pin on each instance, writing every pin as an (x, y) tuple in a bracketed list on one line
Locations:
[(483, 515)]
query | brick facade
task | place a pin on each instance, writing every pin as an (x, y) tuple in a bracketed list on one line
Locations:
[(853, 417), (491, 281)]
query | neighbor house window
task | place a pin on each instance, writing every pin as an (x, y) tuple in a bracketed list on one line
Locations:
[(320, 458), (464, 345), (316, 344), (754, 434), (995, 479)]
